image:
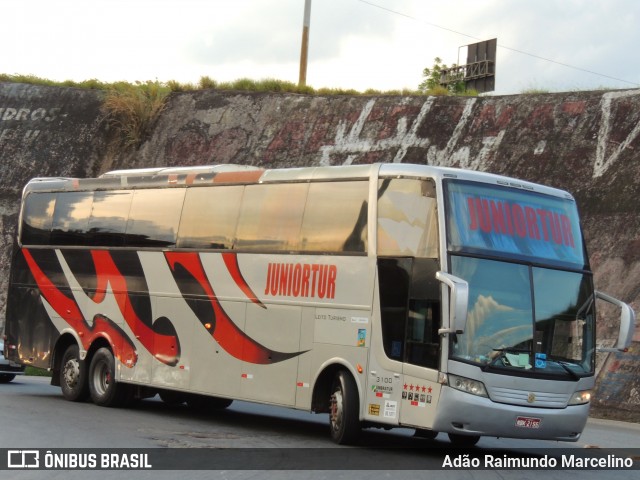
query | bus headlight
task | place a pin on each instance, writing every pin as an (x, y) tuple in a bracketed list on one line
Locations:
[(467, 385), (578, 398)]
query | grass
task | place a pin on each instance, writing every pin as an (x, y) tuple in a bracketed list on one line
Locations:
[(267, 85), (534, 91), (131, 109), (92, 84)]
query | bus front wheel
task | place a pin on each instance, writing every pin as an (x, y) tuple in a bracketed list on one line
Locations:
[(104, 389), (73, 375), (344, 419), (463, 440)]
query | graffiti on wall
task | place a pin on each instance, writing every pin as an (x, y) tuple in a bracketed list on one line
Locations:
[(350, 143), (603, 161), (13, 117)]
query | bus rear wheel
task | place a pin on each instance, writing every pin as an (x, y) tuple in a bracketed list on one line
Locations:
[(73, 375), (104, 389), (344, 419)]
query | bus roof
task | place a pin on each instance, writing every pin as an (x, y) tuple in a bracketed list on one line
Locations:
[(241, 174)]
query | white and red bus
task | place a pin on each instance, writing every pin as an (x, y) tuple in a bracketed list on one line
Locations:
[(388, 295)]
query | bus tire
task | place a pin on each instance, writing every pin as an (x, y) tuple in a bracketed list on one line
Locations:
[(103, 388), (6, 377), (344, 422), (463, 440), (73, 375), (425, 434)]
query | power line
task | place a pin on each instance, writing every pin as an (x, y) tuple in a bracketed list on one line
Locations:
[(515, 50), (568, 66), (395, 12)]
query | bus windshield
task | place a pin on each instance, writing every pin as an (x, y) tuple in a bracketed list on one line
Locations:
[(535, 320), (524, 225), (525, 311)]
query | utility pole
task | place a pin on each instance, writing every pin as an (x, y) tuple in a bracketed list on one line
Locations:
[(304, 50)]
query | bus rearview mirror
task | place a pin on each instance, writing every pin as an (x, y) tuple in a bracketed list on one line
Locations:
[(458, 303), (627, 323)]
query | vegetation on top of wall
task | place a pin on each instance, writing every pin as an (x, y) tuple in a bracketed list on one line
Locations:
[(268, 85), (131, 109), (434, 75), (534, 91), (92, 84)]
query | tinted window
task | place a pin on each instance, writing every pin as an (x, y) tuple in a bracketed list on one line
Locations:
[(209, 217), (503, 300), (109, 217), (36, 218), (394, 275), (154, 217), (335, 218), (271, 217), (491, 219), (71, 218), (564, 317), (407, 216)]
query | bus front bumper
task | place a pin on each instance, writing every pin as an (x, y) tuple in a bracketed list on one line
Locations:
[(464, 413)]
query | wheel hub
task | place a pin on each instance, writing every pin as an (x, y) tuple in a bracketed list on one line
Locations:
[(336, 410), (71, 372)]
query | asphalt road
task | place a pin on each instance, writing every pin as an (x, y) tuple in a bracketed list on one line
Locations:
[(34, 415)]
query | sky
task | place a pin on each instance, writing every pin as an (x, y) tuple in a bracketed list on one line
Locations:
[(548, 45)]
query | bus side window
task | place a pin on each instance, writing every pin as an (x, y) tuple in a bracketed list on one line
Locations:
[(422, 333), (109, 216), (394, 275), (423, 342), (154, 217), (209, 217), (71, 218), (37, 216), (335, 218), (407, 218), (410, 309), (271, 217)]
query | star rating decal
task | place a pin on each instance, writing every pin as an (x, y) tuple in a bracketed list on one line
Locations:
[(418, 388)]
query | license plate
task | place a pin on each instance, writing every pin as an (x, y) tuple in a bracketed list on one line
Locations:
[(528, 422)]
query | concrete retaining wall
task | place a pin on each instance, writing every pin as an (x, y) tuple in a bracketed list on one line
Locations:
[(587, 143)]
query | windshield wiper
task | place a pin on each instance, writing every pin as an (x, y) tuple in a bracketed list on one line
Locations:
[(503, 356), (565, 366)]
